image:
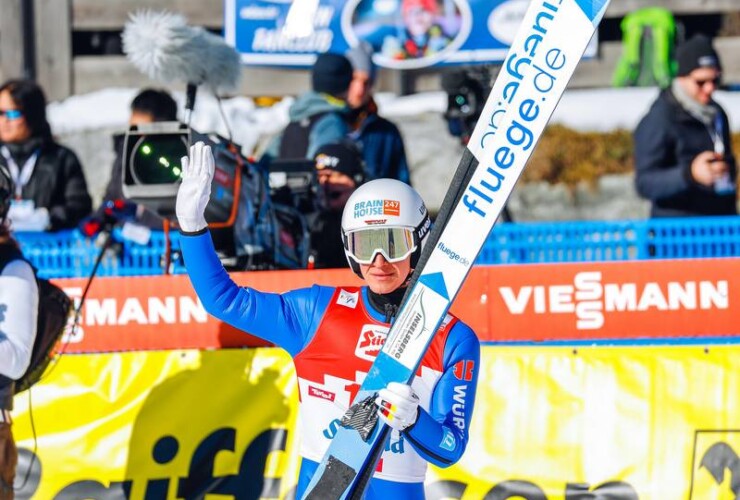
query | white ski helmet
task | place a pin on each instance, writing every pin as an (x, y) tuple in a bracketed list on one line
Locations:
[(384, 216)]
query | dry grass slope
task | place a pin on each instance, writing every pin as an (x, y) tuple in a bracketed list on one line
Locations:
[(566, 156)]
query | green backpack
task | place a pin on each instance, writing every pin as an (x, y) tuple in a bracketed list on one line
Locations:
[(648, 42)]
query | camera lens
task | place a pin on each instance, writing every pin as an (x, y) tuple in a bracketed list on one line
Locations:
[(155, 159)]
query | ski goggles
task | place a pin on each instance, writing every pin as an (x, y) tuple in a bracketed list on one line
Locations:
[(393, 243)]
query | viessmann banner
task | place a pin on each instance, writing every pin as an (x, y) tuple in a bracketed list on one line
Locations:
[(550, 423), (405, 34), (591, 302)]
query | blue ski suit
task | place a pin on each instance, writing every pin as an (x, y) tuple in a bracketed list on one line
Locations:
[(333, 335)]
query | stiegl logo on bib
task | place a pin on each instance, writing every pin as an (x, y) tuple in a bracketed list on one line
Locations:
[(371, 341)]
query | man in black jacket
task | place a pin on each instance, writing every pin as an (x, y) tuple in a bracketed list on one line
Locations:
[(683, 154), (339, 171)]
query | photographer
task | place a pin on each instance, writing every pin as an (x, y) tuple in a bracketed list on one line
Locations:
[(466, 97), (683, 154), (339, 171), (319, 116), (19, 298)]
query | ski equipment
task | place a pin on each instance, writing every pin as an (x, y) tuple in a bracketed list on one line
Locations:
[(541, 60)]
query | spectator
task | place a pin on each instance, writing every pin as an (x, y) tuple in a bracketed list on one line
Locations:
[(379, 139), (19, 298), (683, 155), (50, 188), (385, 224), (317, 117), (339, 170), (149, 105)]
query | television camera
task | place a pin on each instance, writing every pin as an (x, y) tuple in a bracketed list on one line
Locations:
[(467, 89), (256, 208)]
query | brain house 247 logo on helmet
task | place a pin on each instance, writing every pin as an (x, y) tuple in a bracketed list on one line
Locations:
[(384, 216)]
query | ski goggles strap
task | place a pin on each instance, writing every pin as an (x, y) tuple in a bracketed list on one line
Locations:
[(393, 243)]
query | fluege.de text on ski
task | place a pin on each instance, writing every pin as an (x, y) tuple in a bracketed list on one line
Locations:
[(536, 68)]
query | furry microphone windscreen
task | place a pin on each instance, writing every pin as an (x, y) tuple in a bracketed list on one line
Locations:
[(162, 46)]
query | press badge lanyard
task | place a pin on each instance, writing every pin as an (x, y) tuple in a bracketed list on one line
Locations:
[(716, 135), (22, 176)]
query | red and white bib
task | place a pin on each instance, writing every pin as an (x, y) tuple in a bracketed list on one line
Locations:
[(332, 367)]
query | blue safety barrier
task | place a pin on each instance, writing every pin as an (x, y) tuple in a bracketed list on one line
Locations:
[(529, 242), (70, 254), (586, 241), (692, 238)]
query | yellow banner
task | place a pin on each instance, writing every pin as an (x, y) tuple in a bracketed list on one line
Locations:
[(160, 425), (648, 423)]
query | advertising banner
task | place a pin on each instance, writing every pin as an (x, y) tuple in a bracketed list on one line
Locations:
[(161, 425), (550, 423), (637, 301), (628, 423), (606, 302), (405, 34), (163, 312)]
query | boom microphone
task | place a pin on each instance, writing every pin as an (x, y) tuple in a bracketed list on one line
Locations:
[(163, 47)]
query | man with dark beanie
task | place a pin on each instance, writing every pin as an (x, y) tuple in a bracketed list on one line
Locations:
[(317, 117), (683, 154), (379, 139), (339, 172)]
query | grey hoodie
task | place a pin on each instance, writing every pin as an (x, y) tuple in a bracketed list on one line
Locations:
[(330, 128)]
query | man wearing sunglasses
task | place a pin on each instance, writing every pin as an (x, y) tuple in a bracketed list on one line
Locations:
[(683, 154), (334, 334)]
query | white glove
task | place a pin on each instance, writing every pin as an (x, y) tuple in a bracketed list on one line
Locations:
[(24, 217), (398, 406), (195, 190)]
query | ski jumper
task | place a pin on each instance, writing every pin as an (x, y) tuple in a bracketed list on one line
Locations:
[(333, 336)]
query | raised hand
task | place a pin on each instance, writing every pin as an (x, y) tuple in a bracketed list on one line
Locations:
[(195, 190)]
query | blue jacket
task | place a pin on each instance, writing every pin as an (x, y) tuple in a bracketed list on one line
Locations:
[(382, 149), (667, 139), (291, 320)]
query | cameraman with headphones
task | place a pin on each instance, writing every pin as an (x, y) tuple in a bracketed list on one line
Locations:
[(339, 172), (19, 297)]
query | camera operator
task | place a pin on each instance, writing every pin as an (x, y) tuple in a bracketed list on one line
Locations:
[(466, 98), (339, 171), (149, 106)]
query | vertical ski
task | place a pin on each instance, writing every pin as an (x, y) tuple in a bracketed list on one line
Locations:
[(550, 42)]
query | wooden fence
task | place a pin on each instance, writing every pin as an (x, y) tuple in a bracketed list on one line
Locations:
[(62, 75)]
